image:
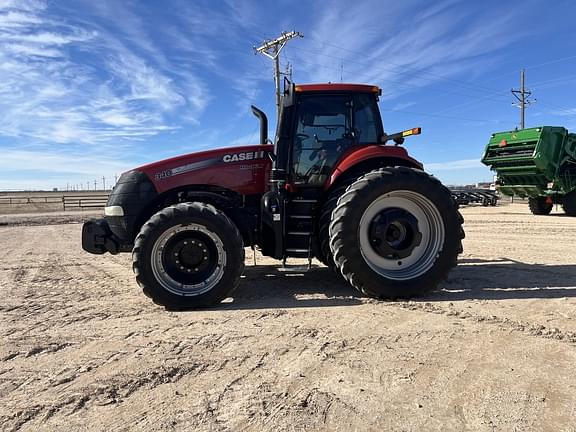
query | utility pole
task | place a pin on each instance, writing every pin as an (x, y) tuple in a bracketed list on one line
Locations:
[(288, 72), (271, 49), (94, 184), (522, 96), (103, 183)]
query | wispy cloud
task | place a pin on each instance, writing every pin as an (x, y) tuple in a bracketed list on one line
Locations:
[(398, 49), (68, 81), (565, 112), (402, 106)]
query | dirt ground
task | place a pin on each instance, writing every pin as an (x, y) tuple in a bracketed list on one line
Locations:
[(81, 348)]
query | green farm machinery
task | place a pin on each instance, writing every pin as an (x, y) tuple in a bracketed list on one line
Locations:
[(538, 163)]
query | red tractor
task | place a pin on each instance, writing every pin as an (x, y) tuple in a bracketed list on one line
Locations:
[(329, 187)]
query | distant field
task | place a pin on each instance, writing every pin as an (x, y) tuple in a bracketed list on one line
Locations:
[(40, 202), (46, 202)]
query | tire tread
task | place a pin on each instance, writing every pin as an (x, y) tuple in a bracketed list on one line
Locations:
[(185, 210), (340, 234)]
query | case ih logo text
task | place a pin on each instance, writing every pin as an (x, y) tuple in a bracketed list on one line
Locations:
[(236, 157)]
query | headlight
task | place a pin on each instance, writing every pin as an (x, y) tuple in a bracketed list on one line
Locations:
[(113, 211)]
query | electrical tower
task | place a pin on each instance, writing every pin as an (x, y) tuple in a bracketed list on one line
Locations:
[(522, 96), (271, 49)]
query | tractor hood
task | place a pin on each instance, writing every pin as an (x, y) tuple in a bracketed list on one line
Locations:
[(240, 169)]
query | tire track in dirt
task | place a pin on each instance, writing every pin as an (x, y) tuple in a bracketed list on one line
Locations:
[(531, 329), (267, 404), (43, 347), (111, 391), (117, 388)]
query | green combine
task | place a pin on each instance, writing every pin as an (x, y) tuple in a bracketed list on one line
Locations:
[(538, 163)]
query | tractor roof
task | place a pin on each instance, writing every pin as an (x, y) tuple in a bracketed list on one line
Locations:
[(329, 87)]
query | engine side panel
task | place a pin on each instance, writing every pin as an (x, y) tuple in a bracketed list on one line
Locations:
[(243, 170)]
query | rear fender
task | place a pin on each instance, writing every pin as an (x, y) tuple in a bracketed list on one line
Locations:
[(369, 158)]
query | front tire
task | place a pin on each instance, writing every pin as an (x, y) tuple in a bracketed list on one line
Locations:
[(188, 255), (396, 233), (539, 206)]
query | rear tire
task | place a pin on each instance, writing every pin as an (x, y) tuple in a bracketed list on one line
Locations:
[(538, 206), (569, 203), (188, 255), (396, 233)]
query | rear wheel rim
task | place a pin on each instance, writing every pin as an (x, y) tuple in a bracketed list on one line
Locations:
[(418, 219), (188, 259)]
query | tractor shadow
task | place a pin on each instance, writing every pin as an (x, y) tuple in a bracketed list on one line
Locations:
[(268, 286), (506, 279)]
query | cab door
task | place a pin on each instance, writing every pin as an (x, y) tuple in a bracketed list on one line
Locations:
[(323, 130)]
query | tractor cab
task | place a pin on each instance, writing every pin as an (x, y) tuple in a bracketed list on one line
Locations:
[(319, 124), (325, 127)]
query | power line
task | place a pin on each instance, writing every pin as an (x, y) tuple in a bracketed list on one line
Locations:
[(473, 86), (501, 95), (470, 86), (403, 71), (472, 102), (534, 66), (476, 88), (401, 83), (566, 111), (554, 81), (494, 95), (561, 59), (442, 116)]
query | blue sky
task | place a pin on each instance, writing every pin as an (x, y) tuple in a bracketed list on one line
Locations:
[(93, 88)]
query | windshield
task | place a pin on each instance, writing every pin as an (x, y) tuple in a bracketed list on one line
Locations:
[(323, 131)]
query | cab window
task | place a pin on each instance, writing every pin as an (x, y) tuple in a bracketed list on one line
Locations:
[(367, 126), (323, 132)]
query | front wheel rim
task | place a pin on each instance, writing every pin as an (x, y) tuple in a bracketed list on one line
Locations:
[(422, 255), (188, 259)]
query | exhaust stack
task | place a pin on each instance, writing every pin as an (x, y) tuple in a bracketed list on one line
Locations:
[(263, 124)]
